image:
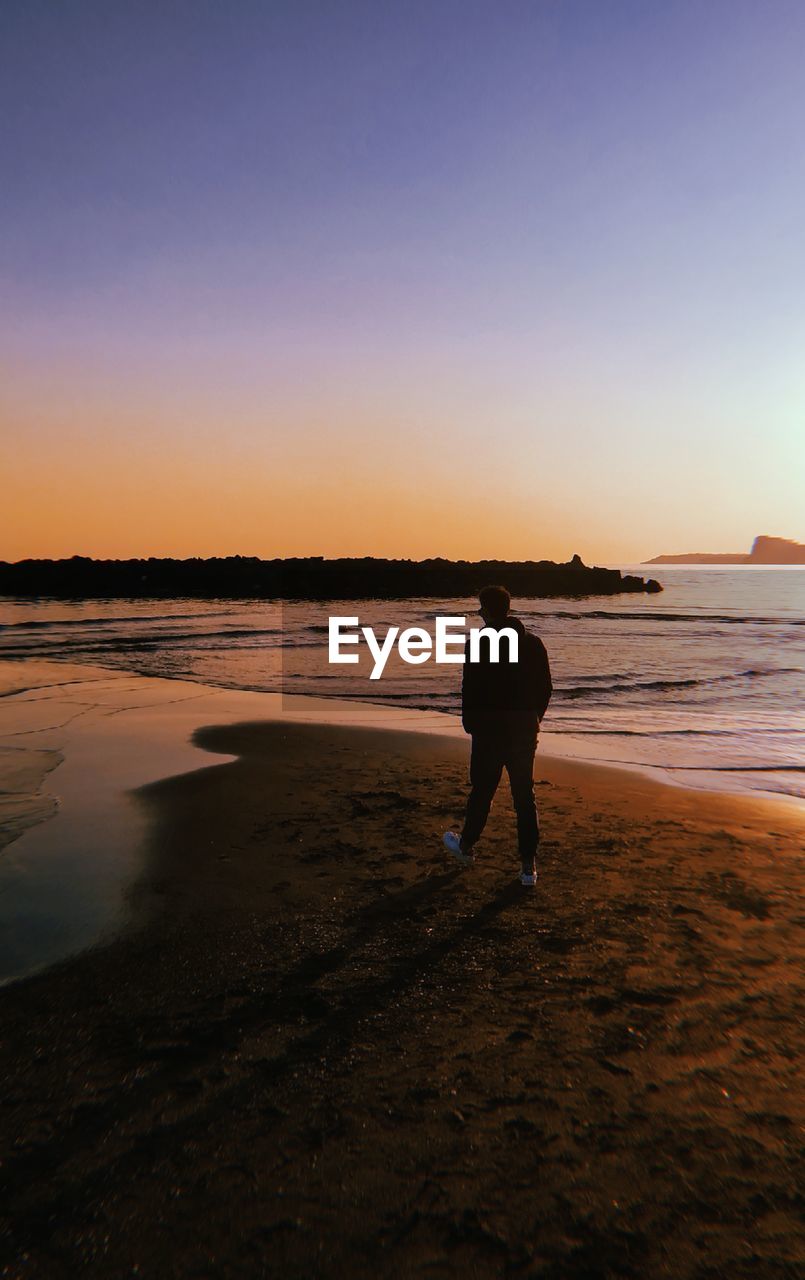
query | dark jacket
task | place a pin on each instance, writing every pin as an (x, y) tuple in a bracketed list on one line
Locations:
[(498, 695)]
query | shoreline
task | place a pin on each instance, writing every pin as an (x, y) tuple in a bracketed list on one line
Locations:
[(714, 780), (78, 742)]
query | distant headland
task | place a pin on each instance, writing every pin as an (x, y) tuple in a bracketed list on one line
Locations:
[(765, 550), (311, 578)]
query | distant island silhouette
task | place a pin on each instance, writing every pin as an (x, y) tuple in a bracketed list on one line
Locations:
[(765, 550), (309, 578)]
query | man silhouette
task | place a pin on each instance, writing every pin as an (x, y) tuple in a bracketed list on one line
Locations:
[(502, 704)]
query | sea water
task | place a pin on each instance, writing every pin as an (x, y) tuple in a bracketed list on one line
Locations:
[(704, 681)]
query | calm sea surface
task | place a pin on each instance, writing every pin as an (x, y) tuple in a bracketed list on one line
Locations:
[(705, 680)]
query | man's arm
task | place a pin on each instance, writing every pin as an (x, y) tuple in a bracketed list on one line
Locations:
[(543, 685), (469, 690)]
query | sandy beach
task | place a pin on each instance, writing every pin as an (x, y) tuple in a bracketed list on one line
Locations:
[(315, 1048), (372, 370)]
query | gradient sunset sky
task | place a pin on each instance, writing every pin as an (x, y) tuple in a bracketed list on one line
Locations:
[(510, 279)]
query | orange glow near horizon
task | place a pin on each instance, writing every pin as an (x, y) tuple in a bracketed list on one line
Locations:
[(125, 471), (128, 470), (135, 508)]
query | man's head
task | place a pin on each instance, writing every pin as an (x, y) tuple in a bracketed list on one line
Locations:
[(495, 603)]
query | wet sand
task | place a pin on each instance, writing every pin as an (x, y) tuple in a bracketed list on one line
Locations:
[(321, 1050), (75, 743)]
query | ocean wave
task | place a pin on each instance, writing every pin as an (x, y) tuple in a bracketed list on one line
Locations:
[(46, 624), (159, 640), (745, 768), (690, 682), (706, 619), (579, 615), (566, 728)]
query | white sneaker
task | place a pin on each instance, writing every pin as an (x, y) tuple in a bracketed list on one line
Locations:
[(452, 843), (529, 878)]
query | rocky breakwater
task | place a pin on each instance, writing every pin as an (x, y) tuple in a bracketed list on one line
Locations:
[(310, 578)]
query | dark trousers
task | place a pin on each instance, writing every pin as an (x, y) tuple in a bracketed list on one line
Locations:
[(492, 752)]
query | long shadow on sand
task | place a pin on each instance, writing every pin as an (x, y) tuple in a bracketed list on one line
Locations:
[(211, 1039)]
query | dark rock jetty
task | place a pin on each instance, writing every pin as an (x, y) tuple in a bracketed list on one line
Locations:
[(311, 578)]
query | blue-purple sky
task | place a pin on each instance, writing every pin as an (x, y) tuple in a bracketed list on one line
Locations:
[(472, 279)]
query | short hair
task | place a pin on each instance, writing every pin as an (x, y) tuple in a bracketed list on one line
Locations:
[(495, 601)]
